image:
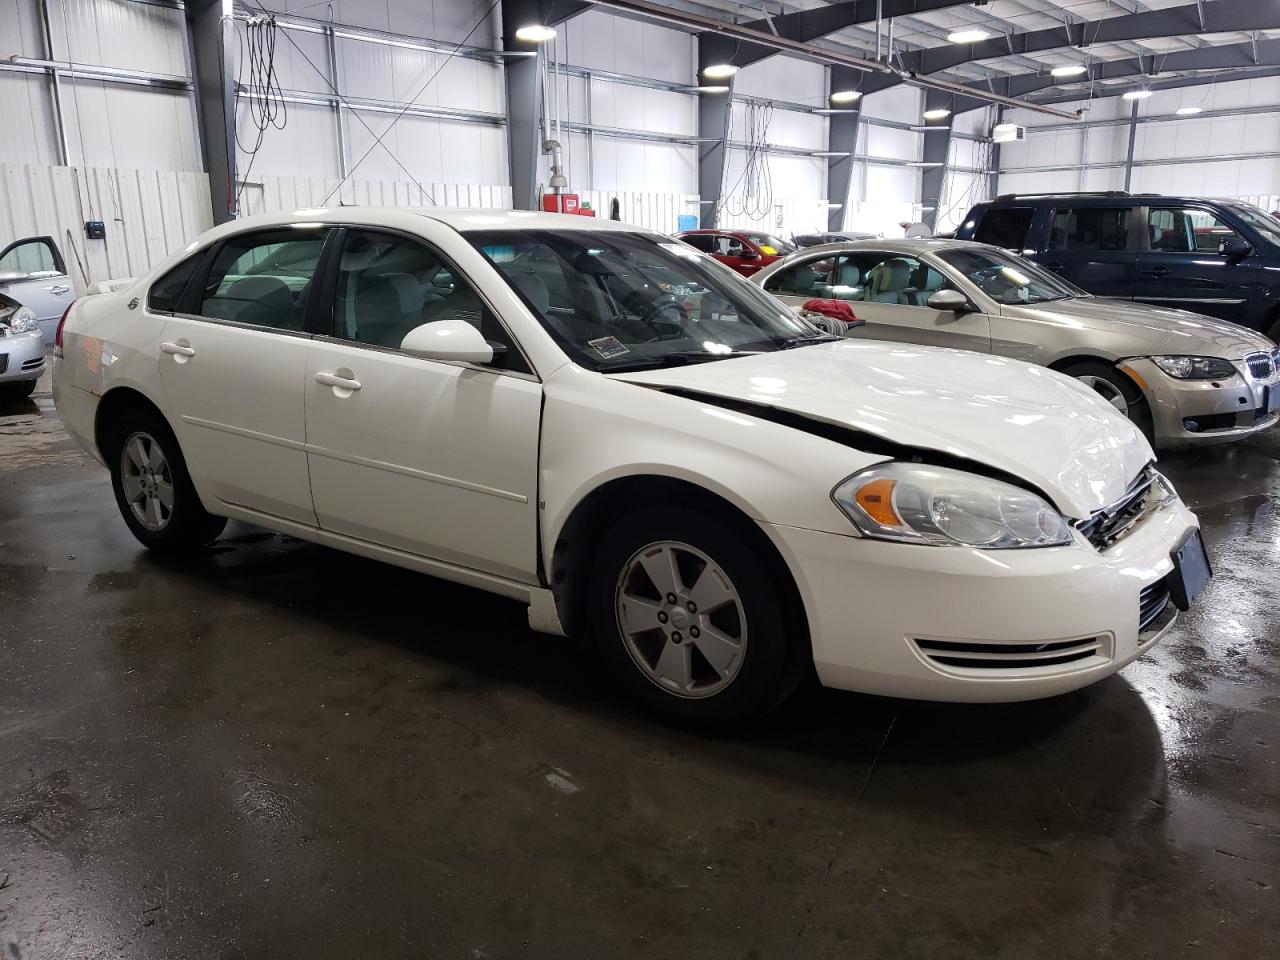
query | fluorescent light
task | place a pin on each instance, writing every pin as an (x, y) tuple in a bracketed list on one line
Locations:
[(939, 113), (845, 96), (1189, 111), (1069, 70), (829, 111), (1136, 94), (719, 71), (970, 35), (831, 153), (536, 33), (712, 88)]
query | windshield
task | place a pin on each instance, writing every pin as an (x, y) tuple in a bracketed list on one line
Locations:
[(1009, 279), (632, 300), (770, 245), (1262, 223)]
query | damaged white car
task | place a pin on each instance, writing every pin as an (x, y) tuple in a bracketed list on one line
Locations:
[(644, 448)]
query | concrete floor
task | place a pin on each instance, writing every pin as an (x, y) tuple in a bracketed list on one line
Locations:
[(279, 750)]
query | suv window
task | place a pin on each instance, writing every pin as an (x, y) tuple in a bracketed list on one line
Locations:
[(1190, 230), (1090, 228), (1005, 227), (388, 285), (166, 293), (263, 278)]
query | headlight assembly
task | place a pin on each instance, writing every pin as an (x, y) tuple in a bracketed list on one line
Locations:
[(1196, 368), (23, 321), (915, 503)]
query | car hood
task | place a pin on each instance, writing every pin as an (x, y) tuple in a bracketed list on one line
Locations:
[(1158, 330), (1025, 420)]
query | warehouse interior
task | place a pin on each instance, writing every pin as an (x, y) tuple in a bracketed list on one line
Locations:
[(279, 749)]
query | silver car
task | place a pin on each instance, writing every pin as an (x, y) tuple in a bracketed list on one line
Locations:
[(1182, 377), (33, 272), (21, 350)]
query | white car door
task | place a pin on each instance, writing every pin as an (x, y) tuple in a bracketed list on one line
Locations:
[(233, 369), (432, 458), (889, 291), (33, 273)]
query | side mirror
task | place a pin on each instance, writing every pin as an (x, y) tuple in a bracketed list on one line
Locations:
[(1234, 248), (835, 309), (454, 340), (951, 301), (12, 276)]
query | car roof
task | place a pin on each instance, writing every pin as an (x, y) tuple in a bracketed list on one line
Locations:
[(1105, 199), (892, 245)]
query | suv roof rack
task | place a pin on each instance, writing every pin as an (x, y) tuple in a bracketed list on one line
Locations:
[(1071, 193)]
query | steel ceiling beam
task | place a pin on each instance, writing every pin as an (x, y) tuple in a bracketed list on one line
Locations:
[(1219, 16), (1171, 83)]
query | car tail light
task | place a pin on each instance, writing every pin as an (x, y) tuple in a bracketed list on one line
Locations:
[(57, 337)]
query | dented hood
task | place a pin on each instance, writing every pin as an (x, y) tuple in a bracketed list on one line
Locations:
[(1028, 421)]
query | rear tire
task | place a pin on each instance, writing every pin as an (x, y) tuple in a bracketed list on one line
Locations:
[(1118, 390), (153, 488), (732, 658)]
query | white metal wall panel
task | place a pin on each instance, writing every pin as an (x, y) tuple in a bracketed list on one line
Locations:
[(307, 146), (111, 125), (901, 103), (642, 108), (21, 28), (784, 78), (277, 194), (447, 20), (26, 117), (631, 165), (655, 211), (111, 33), (600, 41)]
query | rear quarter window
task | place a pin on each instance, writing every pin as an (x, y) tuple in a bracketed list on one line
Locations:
[(165, 294), (1005, 227)]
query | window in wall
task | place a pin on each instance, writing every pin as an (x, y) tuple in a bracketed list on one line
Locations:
[(263, 279), (1005, 227), (388, 285), (1090, 228)]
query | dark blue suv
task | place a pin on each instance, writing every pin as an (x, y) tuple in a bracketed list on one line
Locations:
[(1218, 257)]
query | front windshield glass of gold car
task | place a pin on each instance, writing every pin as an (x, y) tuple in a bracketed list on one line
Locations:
[(620, 300), (1264, 223), (1009, 279)]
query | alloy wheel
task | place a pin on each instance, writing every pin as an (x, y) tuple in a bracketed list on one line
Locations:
[(1108, 391), (147, 481), (681, 619)]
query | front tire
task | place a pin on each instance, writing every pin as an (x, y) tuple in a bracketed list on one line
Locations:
[(152, 487), (1118, 390), (691, 619)]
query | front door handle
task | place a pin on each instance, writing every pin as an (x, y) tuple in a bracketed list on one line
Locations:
[(177, 349), (58, 289), (341, 383), (1157, 272)]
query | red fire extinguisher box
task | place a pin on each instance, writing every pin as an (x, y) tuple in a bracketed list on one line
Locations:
[(560, 202)]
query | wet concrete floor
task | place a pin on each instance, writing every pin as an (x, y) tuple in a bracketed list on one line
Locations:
[(279, 750)]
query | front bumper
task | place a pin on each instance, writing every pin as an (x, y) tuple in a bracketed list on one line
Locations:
[(954, 624), (21, 357), (1186, 412)]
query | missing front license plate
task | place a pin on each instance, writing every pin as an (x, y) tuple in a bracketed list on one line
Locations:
[(1191, 571), (1272, 399)]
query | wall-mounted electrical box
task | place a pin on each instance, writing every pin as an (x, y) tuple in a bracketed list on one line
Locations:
[(95, 230)]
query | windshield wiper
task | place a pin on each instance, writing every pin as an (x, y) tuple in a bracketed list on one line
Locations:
[(675, 358)]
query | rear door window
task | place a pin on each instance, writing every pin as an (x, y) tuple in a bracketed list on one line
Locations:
[(699, 241), (1005, 227), (263, 279), (1090, 228)]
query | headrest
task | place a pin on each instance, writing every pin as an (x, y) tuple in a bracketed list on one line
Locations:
[(534, 290), (264, 293), (390, 293)]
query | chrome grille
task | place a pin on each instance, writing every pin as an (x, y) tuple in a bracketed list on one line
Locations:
[(1152, 601), (1261, 365), (970, 655), (1111, 523)]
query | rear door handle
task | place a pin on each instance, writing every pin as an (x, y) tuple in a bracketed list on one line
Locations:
[(177, 349), (1157, 272), (58, 289), (333, 380)]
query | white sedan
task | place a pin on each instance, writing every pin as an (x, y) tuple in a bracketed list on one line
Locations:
[(643, 447)]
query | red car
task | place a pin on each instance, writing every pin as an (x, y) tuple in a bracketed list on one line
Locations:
[(744, 250)]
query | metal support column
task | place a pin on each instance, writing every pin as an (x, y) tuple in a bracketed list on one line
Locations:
[(212, 40), (340, 128), (937, 154), (714, 111), (524, 101), (842, 137), (1133, 139), (55, 80)]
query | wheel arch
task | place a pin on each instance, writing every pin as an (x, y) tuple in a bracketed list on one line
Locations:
[(579, 537), (115, 402)]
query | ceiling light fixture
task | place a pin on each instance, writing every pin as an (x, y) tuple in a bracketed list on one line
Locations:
[(1189, 111), (719, 71), (845, 96), (938, 113), (968, 35), (1069, 70), (1136, 94), (710, 88), (536, 33), (831, 153)]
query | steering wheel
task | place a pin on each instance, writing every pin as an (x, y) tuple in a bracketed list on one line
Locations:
[(665, 311)]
